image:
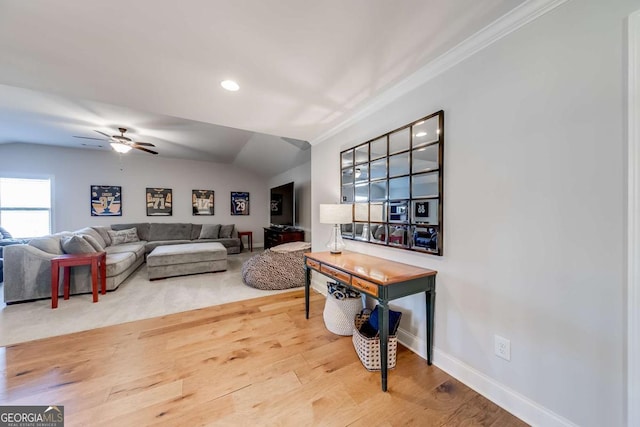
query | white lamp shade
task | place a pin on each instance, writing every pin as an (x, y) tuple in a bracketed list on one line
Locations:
[(336, 214), (120, 147)]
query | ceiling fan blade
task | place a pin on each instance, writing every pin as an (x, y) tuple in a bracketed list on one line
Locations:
[(144, 149), (102, 133), (88, 137), (146, 144)]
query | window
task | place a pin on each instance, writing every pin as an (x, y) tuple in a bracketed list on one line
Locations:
[(25, 206)]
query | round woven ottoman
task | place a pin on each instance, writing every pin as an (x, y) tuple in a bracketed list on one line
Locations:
[(280, 267)]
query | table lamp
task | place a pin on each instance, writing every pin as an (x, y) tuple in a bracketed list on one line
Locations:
[(336, 214)]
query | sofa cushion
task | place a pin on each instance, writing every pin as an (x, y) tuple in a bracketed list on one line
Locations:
[(119, 262), (93, 242), (195, 231), (137, 248), (210, 231), (49, 244), (76, 245), (226, 231), (123, 236), (104, 233), (170, 231), (88, 231), (141, 227)]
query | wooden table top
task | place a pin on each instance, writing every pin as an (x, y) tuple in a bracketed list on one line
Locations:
[(379, 270)]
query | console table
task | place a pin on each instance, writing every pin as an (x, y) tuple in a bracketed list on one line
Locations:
[(277, 236), (381, 279)]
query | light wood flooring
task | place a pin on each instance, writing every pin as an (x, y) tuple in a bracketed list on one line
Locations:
[(249, 363)]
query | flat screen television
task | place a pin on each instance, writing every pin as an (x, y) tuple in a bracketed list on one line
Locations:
[(282, 206)]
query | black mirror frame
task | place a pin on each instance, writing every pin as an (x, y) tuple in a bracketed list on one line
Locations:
[(412, 234)]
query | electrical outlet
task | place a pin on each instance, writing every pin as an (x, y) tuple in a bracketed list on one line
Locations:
[(502, 347)]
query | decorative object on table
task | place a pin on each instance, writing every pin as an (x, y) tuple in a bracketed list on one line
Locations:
[(281, 267), (239, 203), (159, 202), (202, 202), (336, 214), (368, 348), (106, 200), (341, 306)]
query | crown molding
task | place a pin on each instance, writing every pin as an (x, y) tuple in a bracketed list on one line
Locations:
[(503, 26)]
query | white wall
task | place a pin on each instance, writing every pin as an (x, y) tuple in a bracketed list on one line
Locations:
[(534, 148), (301, 176), (74, 170)]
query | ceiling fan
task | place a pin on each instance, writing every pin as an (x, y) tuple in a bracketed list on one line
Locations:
[(121, 143)]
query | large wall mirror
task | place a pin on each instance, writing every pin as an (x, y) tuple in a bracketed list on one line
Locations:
[(395, 185)]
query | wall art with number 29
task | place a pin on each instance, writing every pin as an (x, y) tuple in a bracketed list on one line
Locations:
[(239, 203)]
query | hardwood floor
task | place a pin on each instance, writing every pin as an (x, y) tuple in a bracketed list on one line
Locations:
[(253, 362)]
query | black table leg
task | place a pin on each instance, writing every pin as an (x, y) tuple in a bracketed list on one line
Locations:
[(307, 283), (431, 307), (383, 327)]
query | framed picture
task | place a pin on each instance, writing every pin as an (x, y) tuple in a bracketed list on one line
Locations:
[(106, 200), (276, 204), (159, 202), (202, 202), (239, 203)]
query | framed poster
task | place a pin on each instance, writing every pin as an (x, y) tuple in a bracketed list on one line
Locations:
[(106, 200), (202, 202), (239, 203), (159, 202)]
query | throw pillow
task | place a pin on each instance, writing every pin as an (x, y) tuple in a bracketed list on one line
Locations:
[(49, 244), (76, 245), (5, 234), (103, 230), (93, 242), (89, 231), (123, 236), (394, 320), (226, 231), (210, 231)]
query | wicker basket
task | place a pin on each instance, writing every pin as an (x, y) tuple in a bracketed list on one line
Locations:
[(368, 349), (338, 314)]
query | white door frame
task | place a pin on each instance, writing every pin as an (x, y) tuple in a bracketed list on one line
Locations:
[(633, 224)]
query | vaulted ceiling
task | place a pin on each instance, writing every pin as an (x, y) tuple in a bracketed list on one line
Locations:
[(71, 67)]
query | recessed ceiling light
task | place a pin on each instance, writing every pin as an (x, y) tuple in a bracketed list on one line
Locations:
[(230, 85)]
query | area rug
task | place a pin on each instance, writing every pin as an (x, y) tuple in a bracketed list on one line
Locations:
[(137, 298)]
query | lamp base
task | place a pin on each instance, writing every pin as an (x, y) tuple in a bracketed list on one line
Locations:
[(335, 243)]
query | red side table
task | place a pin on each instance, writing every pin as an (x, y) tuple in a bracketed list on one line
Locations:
[(249, 235), (98, 263)]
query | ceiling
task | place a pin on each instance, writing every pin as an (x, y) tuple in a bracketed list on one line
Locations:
[(70, 67)]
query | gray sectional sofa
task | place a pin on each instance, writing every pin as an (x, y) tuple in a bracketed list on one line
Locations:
[(27, 267)]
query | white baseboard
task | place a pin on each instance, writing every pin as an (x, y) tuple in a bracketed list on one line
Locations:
[(508, 399)]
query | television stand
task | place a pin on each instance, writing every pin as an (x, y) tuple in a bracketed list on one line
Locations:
[(274, 236)]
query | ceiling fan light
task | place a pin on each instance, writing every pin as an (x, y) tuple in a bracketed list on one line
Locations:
[(120, 147), (230, 85)]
